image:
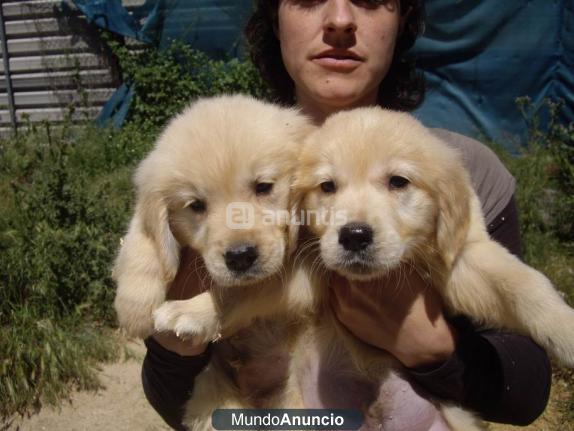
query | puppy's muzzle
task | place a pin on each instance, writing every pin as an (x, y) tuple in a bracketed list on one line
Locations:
[(241, 257), (355, 237)]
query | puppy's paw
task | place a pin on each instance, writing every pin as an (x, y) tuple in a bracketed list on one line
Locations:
[(188, 319), (560, 341), (171, 316)]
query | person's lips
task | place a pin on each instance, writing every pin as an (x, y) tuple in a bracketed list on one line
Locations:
[(338, 60)]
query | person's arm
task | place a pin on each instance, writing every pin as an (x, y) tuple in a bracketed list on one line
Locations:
[(168, 379), (502, 376)]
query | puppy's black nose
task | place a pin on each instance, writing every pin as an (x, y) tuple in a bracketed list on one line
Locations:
[(241, 257), (355, 236)]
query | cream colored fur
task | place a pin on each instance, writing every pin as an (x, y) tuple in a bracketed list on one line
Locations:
[(433, 224), (214, 153), (459, 419)]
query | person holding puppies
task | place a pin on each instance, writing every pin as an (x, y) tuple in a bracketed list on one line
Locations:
[(330, 55)]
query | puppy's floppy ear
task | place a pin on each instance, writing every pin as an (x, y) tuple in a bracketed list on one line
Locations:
[(453, 198), (155, 224), (147, 261), (301, 128)]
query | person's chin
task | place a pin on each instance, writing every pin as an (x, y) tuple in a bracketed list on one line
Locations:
[(344, 91), (339, 97)]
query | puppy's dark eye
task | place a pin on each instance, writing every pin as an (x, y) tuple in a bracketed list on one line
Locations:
[(396, 182), (263, 188), (328, 187), (197, 206)]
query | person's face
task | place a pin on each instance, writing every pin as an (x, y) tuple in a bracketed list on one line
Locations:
[(337, 51)]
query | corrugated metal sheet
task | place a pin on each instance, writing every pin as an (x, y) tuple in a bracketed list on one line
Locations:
[(55, 61)]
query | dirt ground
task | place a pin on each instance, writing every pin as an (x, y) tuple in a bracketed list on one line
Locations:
[(121, 406)]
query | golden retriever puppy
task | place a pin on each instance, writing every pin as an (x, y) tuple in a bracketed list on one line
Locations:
[(218, 181), (217, 176), (381, 191)]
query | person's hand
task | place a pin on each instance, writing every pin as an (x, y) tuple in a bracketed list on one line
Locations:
[(401, 314), (186, 284)]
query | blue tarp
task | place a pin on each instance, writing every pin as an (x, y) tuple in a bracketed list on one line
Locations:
[(478, 56), (213, 26)]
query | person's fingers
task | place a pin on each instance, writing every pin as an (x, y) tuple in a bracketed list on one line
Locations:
[(340, 293), (351, 305), (186, 284), (191, 278), (175, 344), (351, 298)]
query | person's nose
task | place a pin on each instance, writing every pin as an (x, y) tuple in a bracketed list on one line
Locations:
[(339, 18)]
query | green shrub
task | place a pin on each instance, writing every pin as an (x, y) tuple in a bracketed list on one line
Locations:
[(66, 196), (165, 81), (544, 171), (66, 201)]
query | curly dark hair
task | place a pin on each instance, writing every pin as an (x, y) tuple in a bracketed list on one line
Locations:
[(402, 89)]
